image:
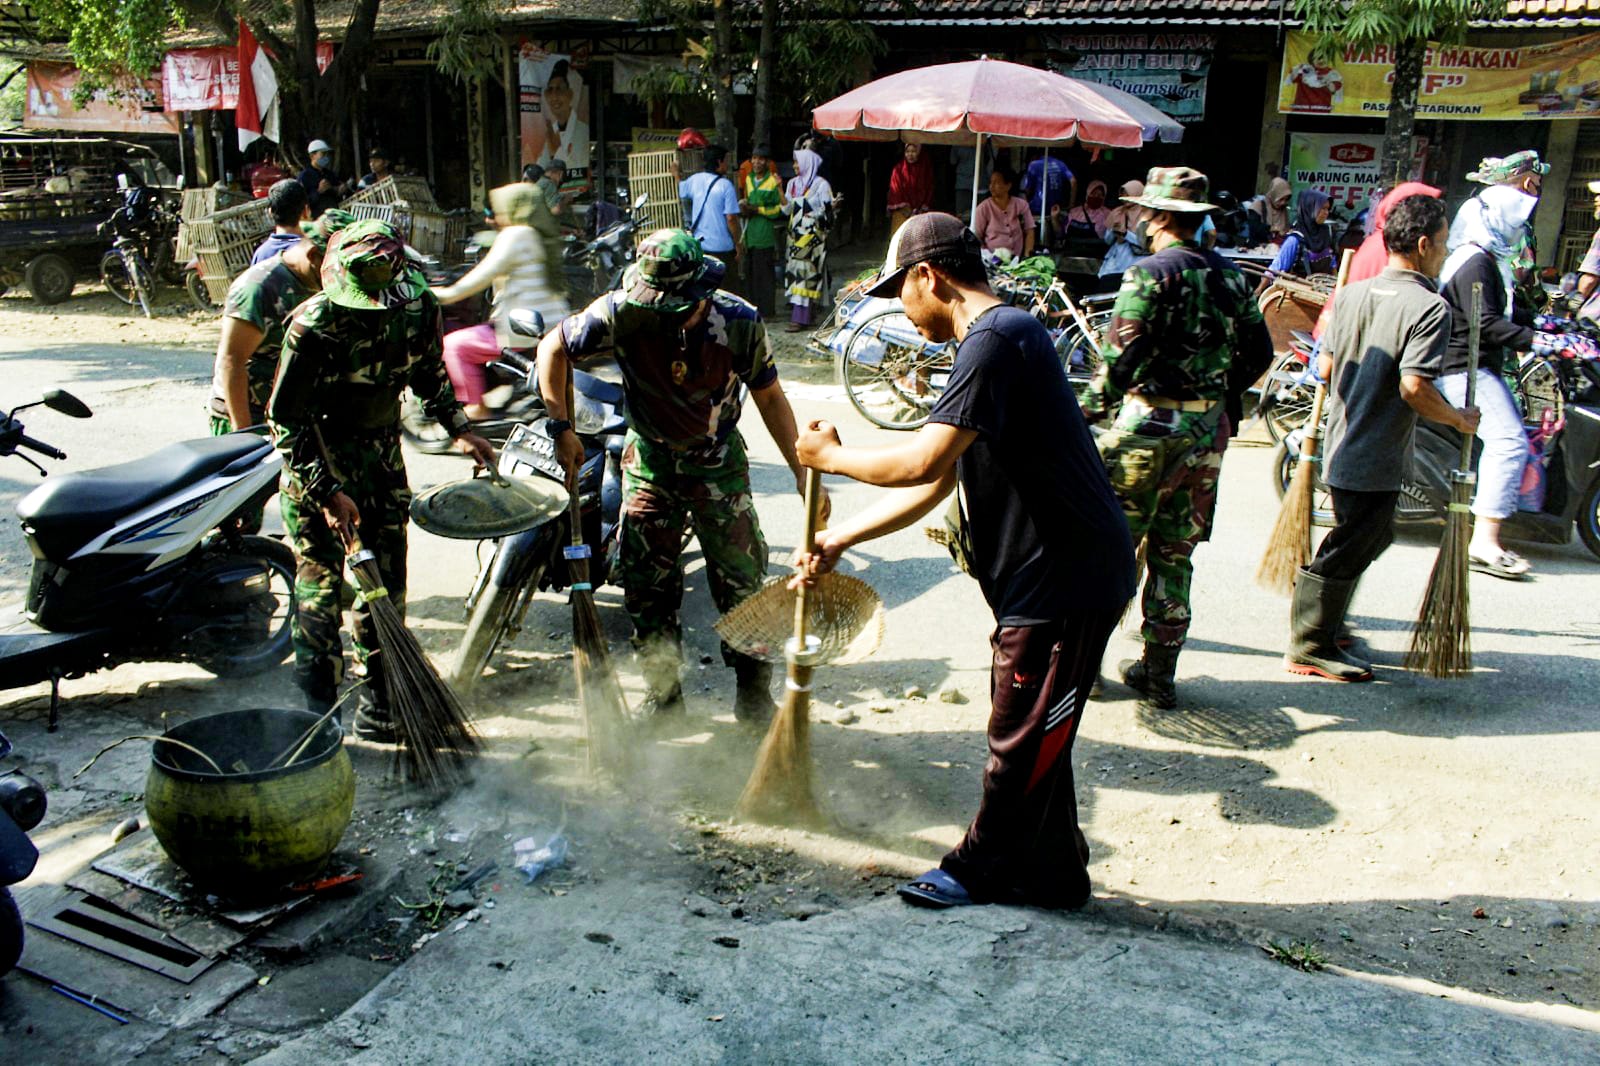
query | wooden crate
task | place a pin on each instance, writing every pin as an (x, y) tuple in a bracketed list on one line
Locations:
[(198, 203), (224, 242), (397, 189), (650, 174)]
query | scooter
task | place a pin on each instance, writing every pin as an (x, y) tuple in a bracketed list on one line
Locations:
[(595, 267), (22, 806), (514, 368), (521, 565), (142, 561), (1571, 469)]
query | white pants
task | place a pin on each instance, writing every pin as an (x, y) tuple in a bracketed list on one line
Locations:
[(1505, 442)]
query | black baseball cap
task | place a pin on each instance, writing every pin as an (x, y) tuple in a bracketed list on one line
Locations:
[(933, 235)]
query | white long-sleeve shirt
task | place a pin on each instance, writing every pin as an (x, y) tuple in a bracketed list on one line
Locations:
[(516, 266)]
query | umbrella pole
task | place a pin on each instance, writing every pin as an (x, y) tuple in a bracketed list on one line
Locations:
[(1044, 197), (977, 164)]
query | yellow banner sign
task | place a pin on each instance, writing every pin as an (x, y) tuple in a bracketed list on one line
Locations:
[(1560, 80)]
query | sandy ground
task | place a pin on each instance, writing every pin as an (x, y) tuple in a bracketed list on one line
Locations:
[(1440, 831)]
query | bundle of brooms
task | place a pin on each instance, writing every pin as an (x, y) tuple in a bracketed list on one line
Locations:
[(434, 735), (1441, 641), (1289, 547)]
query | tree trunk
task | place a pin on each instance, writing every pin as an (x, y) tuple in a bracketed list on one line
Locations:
[(317, 104), (1401, 126), (722, 73), (767, 59)]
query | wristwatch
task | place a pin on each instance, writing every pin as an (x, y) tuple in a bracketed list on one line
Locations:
[(554, 427)]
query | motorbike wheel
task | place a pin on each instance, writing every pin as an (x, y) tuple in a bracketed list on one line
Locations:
[(1285, 399), (424, 433), (1283, 473), (252, 656), (1589, 518), (114, 272), (486, 627), (199, 294), (10, 932)]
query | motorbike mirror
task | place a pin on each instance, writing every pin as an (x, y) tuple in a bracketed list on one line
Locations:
[(525, 323), (642, 199), (66, 403)]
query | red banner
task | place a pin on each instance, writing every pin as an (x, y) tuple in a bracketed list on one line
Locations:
[(200, 79), (49, 105)]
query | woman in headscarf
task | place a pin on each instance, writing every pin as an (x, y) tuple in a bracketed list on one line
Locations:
[(1487, 239), (1308, 249), (1123, 232), (524, 266), (810, 209), (910, 186), (1089, 218), (1276, 206)]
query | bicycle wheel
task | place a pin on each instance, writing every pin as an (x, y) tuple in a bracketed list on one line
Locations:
[(893, 376), (143, 282), (1287, 395), (1538, 389), (114, 273)]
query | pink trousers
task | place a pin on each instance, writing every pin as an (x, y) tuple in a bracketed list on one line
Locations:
[(466, 352)]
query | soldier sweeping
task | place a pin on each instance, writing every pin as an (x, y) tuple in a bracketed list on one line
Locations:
[(1186, 340), (372, 331), (687, 351)]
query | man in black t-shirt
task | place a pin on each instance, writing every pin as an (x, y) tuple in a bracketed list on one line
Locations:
[(1049, 546)]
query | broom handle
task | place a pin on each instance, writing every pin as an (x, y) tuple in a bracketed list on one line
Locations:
[(574, 506), (1314, 433), (1474, 328), (813, 524)]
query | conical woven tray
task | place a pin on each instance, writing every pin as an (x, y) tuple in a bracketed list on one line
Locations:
[(483, 508), (845, 616)]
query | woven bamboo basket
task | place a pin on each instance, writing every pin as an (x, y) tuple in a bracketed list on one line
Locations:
[(650, 173)]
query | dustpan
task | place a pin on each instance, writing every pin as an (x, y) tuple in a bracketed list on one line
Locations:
[(845, 621), (483, 508)]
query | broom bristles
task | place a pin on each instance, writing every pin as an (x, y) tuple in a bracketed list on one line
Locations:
[(600, 696), (1289, 546), (1441, 641), (433, 732), (779, 791)]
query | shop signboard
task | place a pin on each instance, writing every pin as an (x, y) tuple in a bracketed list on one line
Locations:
[(1166, 70), (554, 105), (1542, 81), (1343, 165), (49, 105)]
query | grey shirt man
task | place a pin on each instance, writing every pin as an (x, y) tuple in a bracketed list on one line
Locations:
[(1392, 325)]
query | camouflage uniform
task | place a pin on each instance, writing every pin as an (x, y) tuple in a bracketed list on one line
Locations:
[(335, 415), (684, 467), (1185, 328)]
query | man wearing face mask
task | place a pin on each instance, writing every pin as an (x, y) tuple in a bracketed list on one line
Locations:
[(1524, 172), (1186, 340), (687, 352)]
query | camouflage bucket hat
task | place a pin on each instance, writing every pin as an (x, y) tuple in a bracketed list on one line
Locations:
[(322, 228), (672, 273), (367, 268), (1492, 170), (1174, 189)]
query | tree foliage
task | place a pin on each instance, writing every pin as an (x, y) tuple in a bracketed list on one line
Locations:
[(1405, 25)]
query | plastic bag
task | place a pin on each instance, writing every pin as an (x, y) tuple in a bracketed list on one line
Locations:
[(533, 858)]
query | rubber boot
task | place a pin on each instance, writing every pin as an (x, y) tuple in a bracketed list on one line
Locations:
[(319, 684), (1315, 615), (663, 688), (1152, 675), (752, 702)]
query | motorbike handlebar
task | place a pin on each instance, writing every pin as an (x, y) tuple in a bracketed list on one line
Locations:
[(40, 446)]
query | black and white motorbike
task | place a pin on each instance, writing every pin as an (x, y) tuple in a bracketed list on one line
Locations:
[(519, 566), (143, 561), (22, 806)]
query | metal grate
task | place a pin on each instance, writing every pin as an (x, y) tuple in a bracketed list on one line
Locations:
[(94, 923)]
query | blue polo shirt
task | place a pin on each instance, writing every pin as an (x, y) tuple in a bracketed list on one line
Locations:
[(711, 199)]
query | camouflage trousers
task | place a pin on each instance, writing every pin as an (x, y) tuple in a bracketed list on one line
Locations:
[(1173, 516), (249, 521), (374, 476), (666, 495)]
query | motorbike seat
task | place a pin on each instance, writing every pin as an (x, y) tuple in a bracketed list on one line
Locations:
[(73, 507)]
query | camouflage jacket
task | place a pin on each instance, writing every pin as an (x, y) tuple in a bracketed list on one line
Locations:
[(684, 390), (264, 295), (342, 373), (1185, 327)]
